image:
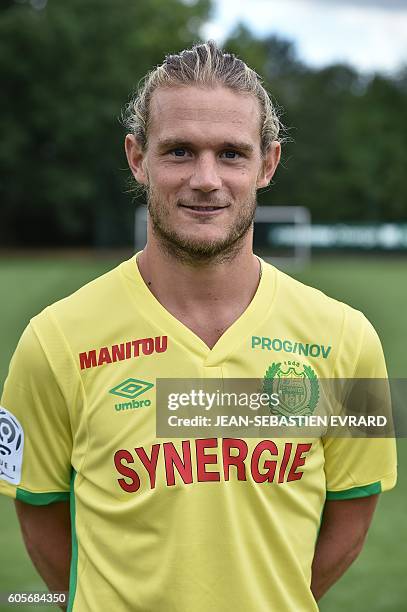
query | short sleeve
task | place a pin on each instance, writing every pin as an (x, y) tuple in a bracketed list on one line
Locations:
[(35, 431), (359, 467)]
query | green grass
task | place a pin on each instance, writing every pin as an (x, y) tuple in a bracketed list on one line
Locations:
[(377, 581)]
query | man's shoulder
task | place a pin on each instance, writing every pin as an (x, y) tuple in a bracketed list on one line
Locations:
[(96, 301), (315, 303)]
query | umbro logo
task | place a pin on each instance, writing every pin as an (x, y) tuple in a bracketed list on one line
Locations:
[(130, 389)]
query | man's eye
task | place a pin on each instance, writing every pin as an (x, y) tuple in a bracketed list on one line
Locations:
[(231, 154), (178, 152)]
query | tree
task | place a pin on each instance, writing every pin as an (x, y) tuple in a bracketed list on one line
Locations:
[(347, 134), (68, 70)]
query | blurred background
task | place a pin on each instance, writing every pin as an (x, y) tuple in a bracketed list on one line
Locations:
[(337, 69)]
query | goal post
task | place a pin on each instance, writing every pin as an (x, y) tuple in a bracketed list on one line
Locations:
[(271, 226)]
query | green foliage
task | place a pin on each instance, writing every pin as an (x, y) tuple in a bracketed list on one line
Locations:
[(68, 71), (347, 149)]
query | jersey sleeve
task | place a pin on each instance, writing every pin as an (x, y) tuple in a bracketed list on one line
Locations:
[(35, 431), (359, 467)]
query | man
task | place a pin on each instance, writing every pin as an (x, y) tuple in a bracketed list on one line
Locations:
[(187, 525)]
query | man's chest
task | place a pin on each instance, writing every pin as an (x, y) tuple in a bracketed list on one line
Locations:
[(125, 453), (113, 376)]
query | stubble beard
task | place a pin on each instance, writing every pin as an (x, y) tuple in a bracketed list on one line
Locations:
[(192, 251)]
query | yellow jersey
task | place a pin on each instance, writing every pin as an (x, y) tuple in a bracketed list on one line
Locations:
[(182, 525)]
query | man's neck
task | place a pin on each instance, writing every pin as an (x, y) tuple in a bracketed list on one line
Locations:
[(206, 298)]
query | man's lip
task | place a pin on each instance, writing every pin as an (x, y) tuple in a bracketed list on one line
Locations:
[(202, 211), (203, 207)]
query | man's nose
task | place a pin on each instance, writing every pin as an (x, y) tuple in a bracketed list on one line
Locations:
[(205, 176)]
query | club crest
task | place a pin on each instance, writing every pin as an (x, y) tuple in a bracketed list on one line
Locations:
[(296, 385)]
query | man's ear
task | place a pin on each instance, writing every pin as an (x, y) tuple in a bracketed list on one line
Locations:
[(135, 158), (270, 163)]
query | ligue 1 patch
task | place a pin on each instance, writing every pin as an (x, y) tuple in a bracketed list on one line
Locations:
[(11, 447)]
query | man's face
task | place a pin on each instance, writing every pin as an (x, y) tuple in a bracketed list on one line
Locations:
[(202, 167)]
